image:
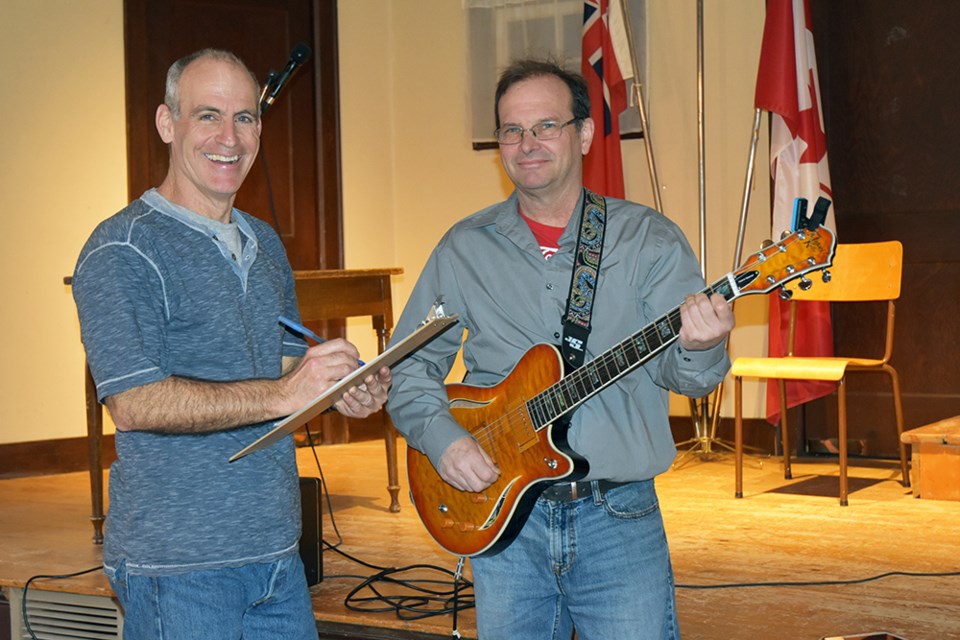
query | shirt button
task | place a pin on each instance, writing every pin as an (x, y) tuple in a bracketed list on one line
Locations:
[(550, 287), (556, 335)]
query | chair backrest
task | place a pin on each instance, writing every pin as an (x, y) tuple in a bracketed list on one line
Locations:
[(860, 272)]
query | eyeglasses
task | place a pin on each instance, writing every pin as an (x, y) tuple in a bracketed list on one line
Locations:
[(548, 130)]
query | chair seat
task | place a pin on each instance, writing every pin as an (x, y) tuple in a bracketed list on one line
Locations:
[(791, 368)]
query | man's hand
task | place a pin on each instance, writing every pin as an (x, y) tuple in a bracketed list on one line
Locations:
[(466, 466), (326, 364), (361, 401), (705, 322)]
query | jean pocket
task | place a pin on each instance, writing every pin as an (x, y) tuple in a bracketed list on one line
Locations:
[(118, 579), (635, 500)]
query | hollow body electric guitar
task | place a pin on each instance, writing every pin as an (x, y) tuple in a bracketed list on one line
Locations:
[(521, 422)]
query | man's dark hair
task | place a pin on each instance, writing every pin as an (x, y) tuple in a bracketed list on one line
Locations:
[(526, 69)]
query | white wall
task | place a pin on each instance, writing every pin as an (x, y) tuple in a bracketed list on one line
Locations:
[(62, 170)]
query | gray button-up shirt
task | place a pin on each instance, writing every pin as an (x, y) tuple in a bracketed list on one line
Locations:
[(489, 269)]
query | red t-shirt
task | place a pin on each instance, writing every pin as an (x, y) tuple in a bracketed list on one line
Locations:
[(547, 237)]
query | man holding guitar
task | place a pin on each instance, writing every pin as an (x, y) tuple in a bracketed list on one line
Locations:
[(548, 482)]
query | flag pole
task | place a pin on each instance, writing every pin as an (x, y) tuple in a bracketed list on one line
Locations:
[(703, 413), (737, 258), (745, 206), (701, 143), (641, 108)]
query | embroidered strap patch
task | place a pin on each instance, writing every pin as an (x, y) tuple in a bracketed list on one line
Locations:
[(583, 282)]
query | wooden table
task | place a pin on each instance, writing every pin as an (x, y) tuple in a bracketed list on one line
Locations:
[(322, 295), (335, 294)]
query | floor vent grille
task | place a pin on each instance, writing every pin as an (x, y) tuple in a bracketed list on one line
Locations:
[(55, 615)]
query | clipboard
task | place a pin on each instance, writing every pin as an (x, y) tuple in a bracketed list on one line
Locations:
[(321, 403)]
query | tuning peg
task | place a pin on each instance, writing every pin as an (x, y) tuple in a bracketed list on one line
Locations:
[(805, 284), (784, 235), (784, 293), (766, 244), (826, 275)]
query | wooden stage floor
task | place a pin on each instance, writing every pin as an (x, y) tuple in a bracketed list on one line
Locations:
[(782, 531)]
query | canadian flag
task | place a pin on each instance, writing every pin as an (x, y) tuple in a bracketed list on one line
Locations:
[(788, 88), (606, 66)]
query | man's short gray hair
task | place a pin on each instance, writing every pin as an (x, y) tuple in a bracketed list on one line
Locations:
[(172, 96)]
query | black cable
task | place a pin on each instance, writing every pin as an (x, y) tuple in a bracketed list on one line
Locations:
[(270, 200), (818, 583), (26, 586), (427, 600), (323, 487)]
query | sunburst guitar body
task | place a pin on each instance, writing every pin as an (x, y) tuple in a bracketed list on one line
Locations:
[(522, 421)]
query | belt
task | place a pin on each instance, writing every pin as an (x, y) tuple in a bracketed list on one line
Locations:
[(567, 491)]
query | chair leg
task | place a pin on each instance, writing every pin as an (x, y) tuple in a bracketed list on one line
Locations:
[(842, 401), (898, 409), (738, 435), (784, 430)]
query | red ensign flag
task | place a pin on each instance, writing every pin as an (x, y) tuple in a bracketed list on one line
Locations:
[(606, 64), (788, 88)]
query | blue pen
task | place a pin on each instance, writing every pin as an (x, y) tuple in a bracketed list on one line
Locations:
[(299, 328)]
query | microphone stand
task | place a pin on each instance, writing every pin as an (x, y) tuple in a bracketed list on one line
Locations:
[(272, 87)]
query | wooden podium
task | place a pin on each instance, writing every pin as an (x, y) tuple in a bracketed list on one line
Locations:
[(321, 295)]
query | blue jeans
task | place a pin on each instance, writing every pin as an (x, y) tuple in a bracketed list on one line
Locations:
[(599, 564), (262, 601)]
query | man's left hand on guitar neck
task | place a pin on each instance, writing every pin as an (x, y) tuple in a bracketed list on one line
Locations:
[(705, 322)]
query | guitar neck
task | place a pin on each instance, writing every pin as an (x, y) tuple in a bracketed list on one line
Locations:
[(576, 388), (800, 253)]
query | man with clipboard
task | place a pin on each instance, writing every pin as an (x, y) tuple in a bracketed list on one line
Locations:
[(179, 296)]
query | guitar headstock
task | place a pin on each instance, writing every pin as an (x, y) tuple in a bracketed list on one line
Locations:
[(793, 257)]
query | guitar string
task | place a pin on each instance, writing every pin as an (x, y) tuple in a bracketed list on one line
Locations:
[(607, 361), (490, 432)]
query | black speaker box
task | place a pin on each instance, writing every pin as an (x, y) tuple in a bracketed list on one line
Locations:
[(311, 540)]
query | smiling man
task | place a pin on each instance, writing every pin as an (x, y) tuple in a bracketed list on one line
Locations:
[(178, 296), (592, 555)]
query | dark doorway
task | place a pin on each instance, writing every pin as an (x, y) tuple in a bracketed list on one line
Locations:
[(300, 141)]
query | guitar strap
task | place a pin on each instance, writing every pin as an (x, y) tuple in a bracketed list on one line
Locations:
[(583, 281)]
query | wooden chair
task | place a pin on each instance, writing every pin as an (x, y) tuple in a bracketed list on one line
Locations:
[(321, 295), (860, 272)]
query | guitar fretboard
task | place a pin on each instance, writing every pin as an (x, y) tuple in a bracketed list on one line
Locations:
[(566, 395)]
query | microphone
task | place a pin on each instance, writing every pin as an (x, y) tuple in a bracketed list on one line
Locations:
[(273, 86)]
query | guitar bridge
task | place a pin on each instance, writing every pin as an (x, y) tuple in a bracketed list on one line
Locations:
[(524, 432)]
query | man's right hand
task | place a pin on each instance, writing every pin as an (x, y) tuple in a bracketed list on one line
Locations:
[(466, 466), (321, 367)]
